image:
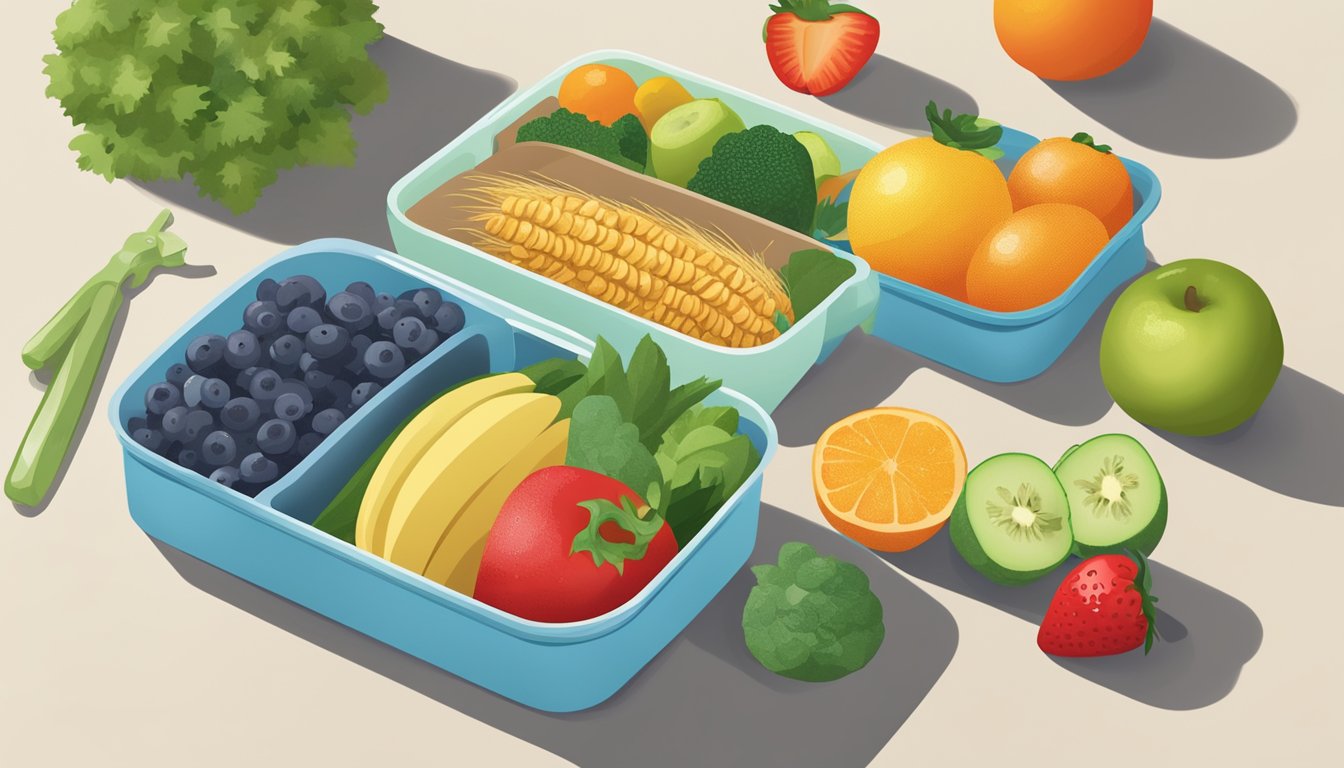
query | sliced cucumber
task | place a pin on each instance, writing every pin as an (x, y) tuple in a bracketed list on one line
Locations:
[(1012, 520), (1116, 495)]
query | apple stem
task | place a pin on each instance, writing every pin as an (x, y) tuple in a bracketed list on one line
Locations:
[(1192, 301)]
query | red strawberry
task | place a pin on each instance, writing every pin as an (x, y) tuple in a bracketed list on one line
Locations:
[(817, 48), (1102, 608)]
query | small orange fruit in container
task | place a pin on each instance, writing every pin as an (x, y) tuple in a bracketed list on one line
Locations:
[(1077, 171), (1033, 256), (888, 477), (600, 92)]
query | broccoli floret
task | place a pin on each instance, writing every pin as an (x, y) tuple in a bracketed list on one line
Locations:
[(623, 142), (812, 617), (761, 171)]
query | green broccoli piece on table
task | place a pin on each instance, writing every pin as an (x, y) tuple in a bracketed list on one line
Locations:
[(623, 142), (761, 171), (812, 617)]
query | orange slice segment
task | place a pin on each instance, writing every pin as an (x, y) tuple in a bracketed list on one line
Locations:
[(888, 477)]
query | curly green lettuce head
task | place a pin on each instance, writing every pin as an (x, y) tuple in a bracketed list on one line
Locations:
[(228, 91), (812, 617)]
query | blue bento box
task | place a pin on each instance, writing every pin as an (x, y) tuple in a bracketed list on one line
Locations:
[(268, 541), (996, 346)]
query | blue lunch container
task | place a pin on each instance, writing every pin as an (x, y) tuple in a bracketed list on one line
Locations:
[(268, 540)]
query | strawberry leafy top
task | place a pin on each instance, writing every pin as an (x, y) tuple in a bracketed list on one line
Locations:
[(814, 10), (1143, 584)]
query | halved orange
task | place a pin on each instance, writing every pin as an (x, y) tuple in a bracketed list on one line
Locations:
[(888, 477)]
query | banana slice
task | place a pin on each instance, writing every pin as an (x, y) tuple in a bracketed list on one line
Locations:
[(459, 463), (458, 556), (410, 446)]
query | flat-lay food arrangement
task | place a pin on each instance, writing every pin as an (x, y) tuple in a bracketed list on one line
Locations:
[(528, 447)]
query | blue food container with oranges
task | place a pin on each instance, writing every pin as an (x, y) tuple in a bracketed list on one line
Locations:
[(268, 540), (996, 346)]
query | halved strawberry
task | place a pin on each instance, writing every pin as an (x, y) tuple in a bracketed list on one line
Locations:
[(1102, 608), (817, 48)]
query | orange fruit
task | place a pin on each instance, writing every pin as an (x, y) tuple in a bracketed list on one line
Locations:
[(1071, 39), (918, 210), (600, 92), (1078, 172), (658, 96), (888, 477), (1033, 256)]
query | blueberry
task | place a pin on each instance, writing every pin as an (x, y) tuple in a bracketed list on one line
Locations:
[(327, 341), (240, 413), (276, 436), (427, 301), (303, 320), (199, 423), (262, 317), (410, 333), (359, 344), (206, 353), (219, 448), (149, 438), (256, 468), (177, 373), (407, 306), (287, 349), (381, 301), (326, 422), (299, 291), (215, 393), (363, 290), (265, 386), (226, 476), (136, 422), (448, 319), (384, 360), (388, 317), (192, 389), (242, 350), (188, 458), (297, 387), (350, 310), (337, 394), (363, 392), (317, 379), (308, 443), (162, 396), (246, 440), (307, 362), (289, 407), (266, 290), (243, 380), (175, 422)]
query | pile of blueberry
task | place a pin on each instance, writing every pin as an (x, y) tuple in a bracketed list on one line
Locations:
[(244, 409)]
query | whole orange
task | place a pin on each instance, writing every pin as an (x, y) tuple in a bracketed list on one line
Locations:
[(1071, 39), (600, 92), (1033, 256), (1078, 172), (919, 208)]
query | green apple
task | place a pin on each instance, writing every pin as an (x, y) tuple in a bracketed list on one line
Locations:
[(1192, 347), (824, 162), (686, 135)]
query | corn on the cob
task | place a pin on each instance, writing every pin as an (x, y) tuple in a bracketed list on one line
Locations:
[(641, 260)]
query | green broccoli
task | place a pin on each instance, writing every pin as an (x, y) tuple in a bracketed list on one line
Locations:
[(761, 171), (811, 617), (623, 142)]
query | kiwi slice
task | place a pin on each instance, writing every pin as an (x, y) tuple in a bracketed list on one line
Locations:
[(1012, 520), (1116, 495)]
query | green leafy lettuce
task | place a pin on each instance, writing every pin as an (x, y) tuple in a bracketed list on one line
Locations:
[(812, 617), (228, 91)]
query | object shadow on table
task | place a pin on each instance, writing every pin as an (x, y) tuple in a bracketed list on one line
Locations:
[(702, 701), (1292, 445), (865, 370), (1207, 635), (1182, 96), (430, 101), (893, 94), (41, 379)]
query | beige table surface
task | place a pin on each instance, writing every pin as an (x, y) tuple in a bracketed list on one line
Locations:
[(117, 652)]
